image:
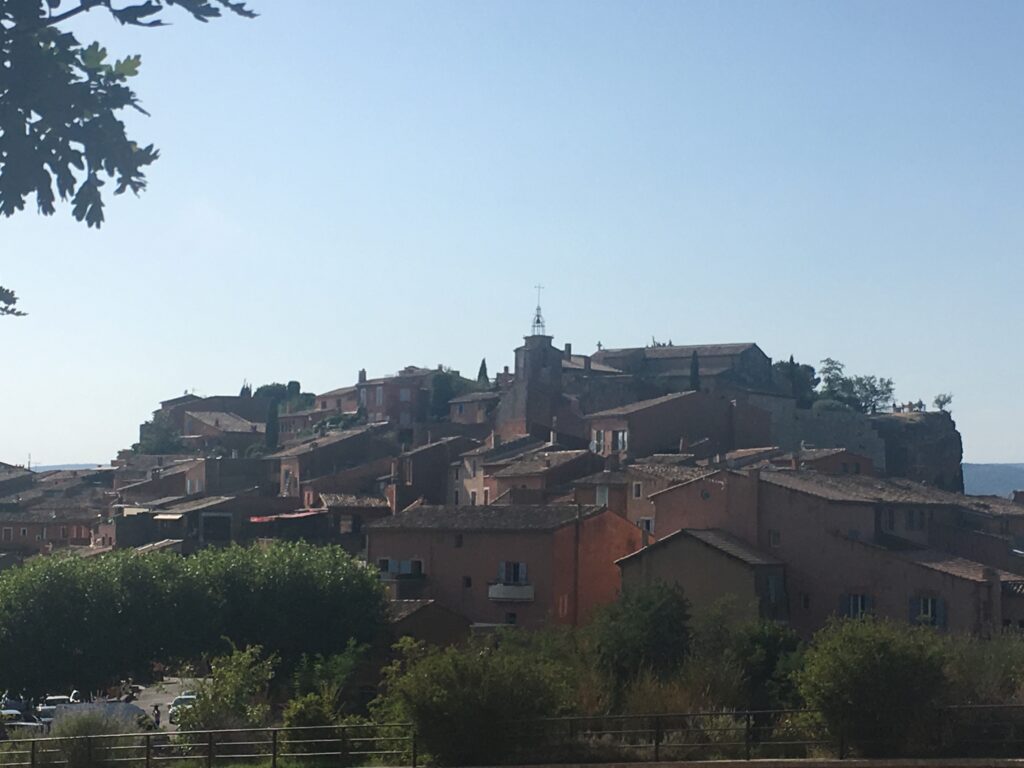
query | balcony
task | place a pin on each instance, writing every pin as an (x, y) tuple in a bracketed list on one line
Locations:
[(510, 593)]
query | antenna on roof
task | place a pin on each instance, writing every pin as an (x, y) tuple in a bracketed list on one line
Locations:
[(538, 319)]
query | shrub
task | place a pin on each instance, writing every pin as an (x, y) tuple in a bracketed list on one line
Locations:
[(465, 702), (235, 695), (75, 751), (876, 683)]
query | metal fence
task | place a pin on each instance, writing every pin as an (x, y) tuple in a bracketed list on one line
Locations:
[(956, 732)]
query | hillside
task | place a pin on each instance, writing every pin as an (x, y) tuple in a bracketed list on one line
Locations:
[(993, 479)]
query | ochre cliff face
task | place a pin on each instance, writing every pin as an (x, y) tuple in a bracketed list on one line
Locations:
[(922, 446)]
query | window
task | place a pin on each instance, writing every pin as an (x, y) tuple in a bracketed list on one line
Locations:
[(467, 582), (856, 467), (638, 490), (473, 468), (619, 439), (890, 520), (408, 472), (601, 496), (855, 606), (472, 498), (511, 572), (914, 519), (455, 497), (510, 618), (458, 539), (404, 395), (63, 531), (8, 534), (487, 496), (774, 538), (337, 404), (646, 524), (24, 532), (416, 567), (928, 610), (380, 395), (384, 565), (461, 409), (456, 473), (774, 589), (598, 441), (323, 405)]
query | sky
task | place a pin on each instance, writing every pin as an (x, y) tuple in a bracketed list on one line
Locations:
[(348, 185)]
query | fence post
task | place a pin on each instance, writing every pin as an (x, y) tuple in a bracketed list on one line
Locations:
[(149, 750), (32, 754), (657, 738), (273, 748), (412, 739), (746, 736), (88, 750), (842, 741), (209, 749)]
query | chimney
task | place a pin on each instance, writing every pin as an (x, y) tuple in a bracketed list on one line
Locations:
[(362, 375), (553, 436), (586, 362), (506, 370), (568, 351)]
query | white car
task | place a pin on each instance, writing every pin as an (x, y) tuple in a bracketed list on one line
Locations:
[(46, 710), (184, 701)]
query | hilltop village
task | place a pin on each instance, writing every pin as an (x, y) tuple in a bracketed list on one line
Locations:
[(534, 496)]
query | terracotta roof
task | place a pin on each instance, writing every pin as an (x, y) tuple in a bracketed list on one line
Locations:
[(511, 517), (746, 453), (511, 449), (349, 500), (606, 477), (403, 609), (626, 410), (724, 542), (475, 397), (317, 443), (538, 463), (428, 446), (227, 422), (955, 566), (859, 489), (339, 391), (673, 472)]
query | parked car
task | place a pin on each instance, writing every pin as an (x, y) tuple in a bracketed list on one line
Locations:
[(184, 701), (8, 715), (46, 710)]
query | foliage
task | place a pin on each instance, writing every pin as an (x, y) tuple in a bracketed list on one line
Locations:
[(71, 727), (481, 375), (867, 394), (328, 677), (273, 432), (986, 671), (7, 301), (60, 134), (695, 372), (86, 623), (875, 682), (463, 702), (236, 695), (446, 385), (275, 392), (646, 630), (942, 401), (798, 380), (158, 436), (294, 389)]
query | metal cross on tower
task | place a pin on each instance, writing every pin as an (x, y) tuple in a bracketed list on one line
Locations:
[(538, 318)]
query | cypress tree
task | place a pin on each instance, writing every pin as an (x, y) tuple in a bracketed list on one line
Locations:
[(481, 376)]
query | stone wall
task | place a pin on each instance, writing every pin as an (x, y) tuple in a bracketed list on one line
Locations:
[(922, 446)]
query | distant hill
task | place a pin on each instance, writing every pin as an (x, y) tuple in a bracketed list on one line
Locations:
[(993, 479)]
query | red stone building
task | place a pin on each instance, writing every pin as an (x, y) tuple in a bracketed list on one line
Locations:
[(523, 565)]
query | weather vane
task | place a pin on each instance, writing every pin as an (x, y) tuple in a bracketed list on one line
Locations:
[(538, 318)]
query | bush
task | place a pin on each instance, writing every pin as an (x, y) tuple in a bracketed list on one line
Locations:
[(235, 695), (465, 702), (75, 751), (646, 630), (876, 683)]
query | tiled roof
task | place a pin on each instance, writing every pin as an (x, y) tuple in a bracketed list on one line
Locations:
[(746, 453), (606, 477), (428, 446), (626, 410), (475, 397), (538, 463), (673, 472), (813, 454), (511, 449), (350, 500), (403, 609), (511, 517), (955, 566), (227, 422), (718, 539), (9, 471), (702, 350), (859, 488), (577, 363), (197, 504), (317, 443), (339, 392)]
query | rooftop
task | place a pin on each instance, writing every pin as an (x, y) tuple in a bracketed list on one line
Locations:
[(227, 422), (724, 542), (498, 518), (686, 350), (9, 471), (626, 410), (475, 397), (538, 463), (341, 391), (350, 500), (320, 442)]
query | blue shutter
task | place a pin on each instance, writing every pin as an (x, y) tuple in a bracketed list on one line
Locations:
[(844, 605), (869, 604), (522, 574), (915, 610), (501, 572), (940, 613)]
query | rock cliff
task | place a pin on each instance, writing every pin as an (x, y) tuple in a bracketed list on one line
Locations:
[(922, 446)]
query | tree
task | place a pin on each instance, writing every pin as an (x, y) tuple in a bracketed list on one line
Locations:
[(695, 372), (273, 432), (867, 394), (236, 695), (875, 682), (646, 630), (60, 134), (481, 375), (7, 301), (294, 389), (798, 379), (942, 401), (277, 392), (871, 393), (159, 436), (468, 705)]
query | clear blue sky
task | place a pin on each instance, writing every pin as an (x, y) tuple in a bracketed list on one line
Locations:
[(376, 184)]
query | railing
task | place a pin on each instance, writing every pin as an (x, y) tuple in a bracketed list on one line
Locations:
[(950, 732)]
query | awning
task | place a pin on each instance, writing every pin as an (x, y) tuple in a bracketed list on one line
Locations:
[(168, 516), (286, 516)]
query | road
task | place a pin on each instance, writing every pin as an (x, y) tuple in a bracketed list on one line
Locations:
[(163, 694)]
